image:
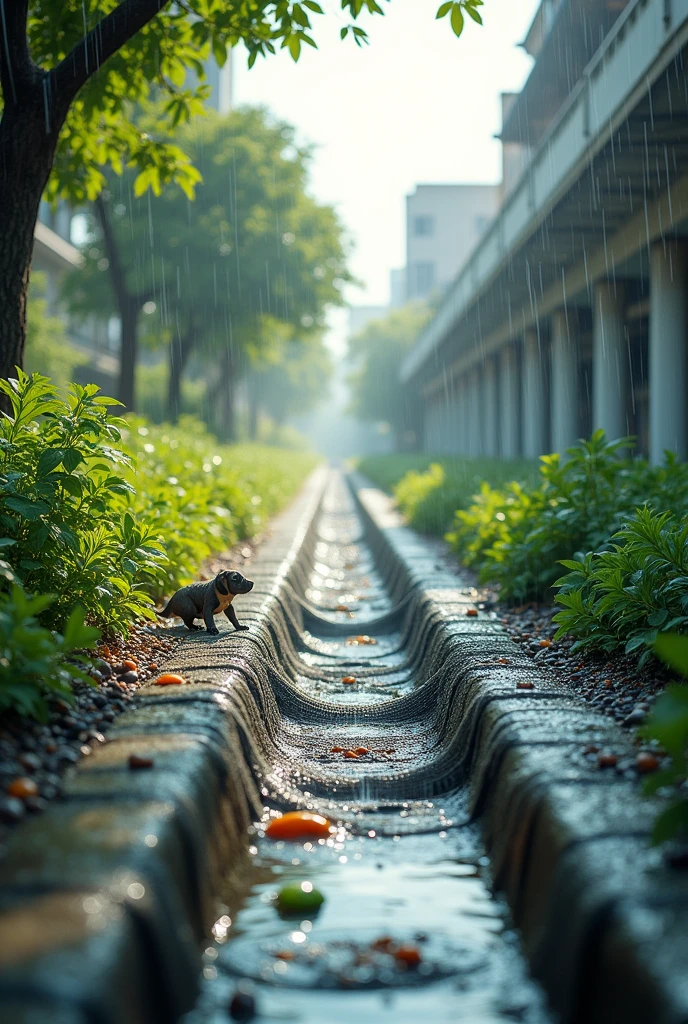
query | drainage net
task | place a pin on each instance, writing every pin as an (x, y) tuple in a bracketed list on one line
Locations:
[(409, 929)]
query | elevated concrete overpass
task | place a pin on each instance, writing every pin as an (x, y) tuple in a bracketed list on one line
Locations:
[(571, 313)]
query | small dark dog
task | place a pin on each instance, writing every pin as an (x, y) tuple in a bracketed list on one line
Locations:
[(204, 600)]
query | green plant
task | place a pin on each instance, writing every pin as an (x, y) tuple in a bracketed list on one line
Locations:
[(32, 658), (623, 597), (668, 725), (429, 489), (517, 536), (63, 502)]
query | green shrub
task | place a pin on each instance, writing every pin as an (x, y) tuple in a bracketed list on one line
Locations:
[(429, 489), (63, 505), (516, 536), (110, 514), (623, 597), (33, 660), (201, 497)]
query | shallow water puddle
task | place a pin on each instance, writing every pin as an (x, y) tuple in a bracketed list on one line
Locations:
[(396, 939)]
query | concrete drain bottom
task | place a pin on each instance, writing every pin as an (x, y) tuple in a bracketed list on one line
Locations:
[(424, 888)]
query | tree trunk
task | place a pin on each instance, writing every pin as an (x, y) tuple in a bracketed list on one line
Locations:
[(252, 390), (128, 354), (128, 306), (26, 156), (180, 350), (221, 398)]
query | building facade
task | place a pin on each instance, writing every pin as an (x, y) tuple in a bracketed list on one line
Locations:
[(443, 225), (571, 313)]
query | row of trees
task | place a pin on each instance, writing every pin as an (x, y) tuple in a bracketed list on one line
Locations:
[(238, 280), (72, 71)]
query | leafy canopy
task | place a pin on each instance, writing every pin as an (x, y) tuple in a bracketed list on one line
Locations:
[(176, 38), (251, 261)]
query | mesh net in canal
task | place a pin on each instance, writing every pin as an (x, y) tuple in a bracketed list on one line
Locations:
[(359, 711)]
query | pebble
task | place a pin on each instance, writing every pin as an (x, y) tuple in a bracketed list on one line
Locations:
[(242, 1005), (11, 809), (130, 676), (137, 762), (636, 717)]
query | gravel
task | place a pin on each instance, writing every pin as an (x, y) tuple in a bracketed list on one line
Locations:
[(43, 752)]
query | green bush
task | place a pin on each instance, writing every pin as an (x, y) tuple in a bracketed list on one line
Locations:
[(623, 597), (430, 489), (668, 725), (200, 496), (33, 660), (63, 505), (109, 514), (516, 536)]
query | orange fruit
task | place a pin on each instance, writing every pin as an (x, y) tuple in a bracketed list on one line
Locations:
[(646, 763), (299, 825), (22, 788), (409, 955), (169, 679)]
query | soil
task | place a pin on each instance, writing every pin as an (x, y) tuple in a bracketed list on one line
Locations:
[(35, 756)]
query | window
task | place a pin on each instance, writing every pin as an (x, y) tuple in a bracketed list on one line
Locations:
[(423, 226), (422, 279)]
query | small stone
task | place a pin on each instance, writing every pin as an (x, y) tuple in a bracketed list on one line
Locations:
[(645, 763), (31, 762), (35, 804), (104, 668), (471, 613), (242, 1005), (607, 760), (68, 755), (525, 684), (130, 676), (11, 809), (636, 717), (137, 762)]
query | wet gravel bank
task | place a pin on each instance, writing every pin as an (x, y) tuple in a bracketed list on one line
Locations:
[(35, 756)]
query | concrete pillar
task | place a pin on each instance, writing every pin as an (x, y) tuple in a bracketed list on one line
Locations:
[(668, 351), (490, 408), (534, 407), (463, 425), (474, 410), (509, 401), (564, 384), (610, 362)]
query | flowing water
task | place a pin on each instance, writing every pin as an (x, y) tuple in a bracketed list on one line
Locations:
[(410, 929)]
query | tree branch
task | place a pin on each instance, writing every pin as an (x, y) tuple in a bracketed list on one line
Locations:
[(105, 39), (16, 67)]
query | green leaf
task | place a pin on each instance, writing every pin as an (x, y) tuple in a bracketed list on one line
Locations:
[(31, 510), (673, 651), (472, 13), (71, 459), (444, 9), (50, 459), (671, 822), (313, 6), (456, 19)]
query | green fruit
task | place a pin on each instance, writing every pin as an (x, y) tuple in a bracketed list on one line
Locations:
[(299, 898)]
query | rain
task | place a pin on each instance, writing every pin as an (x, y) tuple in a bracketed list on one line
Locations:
[(343, 491)]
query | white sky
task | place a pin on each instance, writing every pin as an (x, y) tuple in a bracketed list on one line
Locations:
[(416, 105)]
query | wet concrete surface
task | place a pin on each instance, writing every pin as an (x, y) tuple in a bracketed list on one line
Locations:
[(407, 873)]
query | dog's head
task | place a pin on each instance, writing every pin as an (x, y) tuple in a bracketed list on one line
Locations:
[(232, 582)]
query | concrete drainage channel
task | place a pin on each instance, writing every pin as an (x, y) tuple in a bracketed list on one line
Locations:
[(106, 899)]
